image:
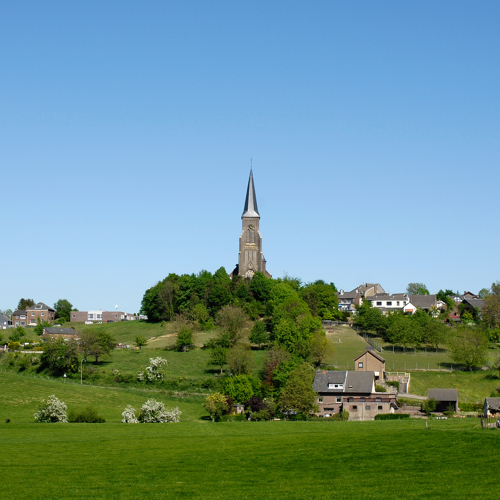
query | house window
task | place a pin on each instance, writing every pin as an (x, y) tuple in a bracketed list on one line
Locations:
[(378, 399), (362, 400), (379, 303), (329, 409), (367, 407), (23, 316), (33, 321), (354, 407), (91, 316), (74, 315), (360, 364), (380, 407), (389, 303), (116, 315), (32, 313), (320, 399), (338, 400), (397, 303), (23, 323), (41, 314)]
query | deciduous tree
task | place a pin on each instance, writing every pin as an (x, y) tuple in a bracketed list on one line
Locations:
[(240, 360), (63, 310), (298, 393), (140, 342), (417, 289), (469, 346), (216, 405)]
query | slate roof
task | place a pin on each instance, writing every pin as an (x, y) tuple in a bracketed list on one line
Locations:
[(60, 331), (4, 319), (40, 306), (493, 403), (479, 303), (364, 288), (443, 394), (354, 382), (423, 301), (347, 295), (372, 351), (19, 312), (250, 209), (386, 296)]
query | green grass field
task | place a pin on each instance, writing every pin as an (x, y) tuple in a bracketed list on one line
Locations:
[(248, 460)]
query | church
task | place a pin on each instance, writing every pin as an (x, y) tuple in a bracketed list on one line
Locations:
[(250, 257)]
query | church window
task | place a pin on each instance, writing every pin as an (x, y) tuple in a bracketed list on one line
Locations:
[(250, 235)]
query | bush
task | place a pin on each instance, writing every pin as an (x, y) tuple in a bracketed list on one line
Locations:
[(89, 416), (153, 411), (261, 415), (343, 416), (128, 416), (471, 406), (184, 339), (429, 406), (51, 410), (380, 388), (216, 405), (392, 416), (393, 383), (154, 372)]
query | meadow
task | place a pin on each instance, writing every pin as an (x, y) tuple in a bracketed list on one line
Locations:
[(247, 460)]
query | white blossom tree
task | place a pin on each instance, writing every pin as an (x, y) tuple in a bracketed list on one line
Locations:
[(51, 409)]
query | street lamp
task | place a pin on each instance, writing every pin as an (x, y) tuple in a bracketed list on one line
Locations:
[(81, 370)]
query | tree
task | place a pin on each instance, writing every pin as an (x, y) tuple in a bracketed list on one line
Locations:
[(60, 356), (6, 312), (298, 393), (40, 326), (259, 334), (216, 405), (321, 348), (371, 319), (218, 357), (238, 388), (63, 310), (140, 342), (96, 343), (417, 289), (25, 303), (483, 293), (491, 310), (232, 320), (184, 339), (469, 346), (17, 334), (51, 410), (240, 360)]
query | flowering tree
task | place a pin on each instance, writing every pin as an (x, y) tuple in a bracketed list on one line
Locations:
[(51, 409), (128, 416), (153, 411), (155, 371), (216, 405)]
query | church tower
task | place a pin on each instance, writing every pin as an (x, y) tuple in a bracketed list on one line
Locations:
[(250, 257)]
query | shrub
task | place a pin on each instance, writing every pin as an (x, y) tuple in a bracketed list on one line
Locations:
[(394, 383), (153, 411), (429, 406), (88, 415), (216, 405), (51, 410), (184, 339), (261, 415), (380, 388), (154, 372), (471, 406), (128, 416), (343, 416), (392, 416)]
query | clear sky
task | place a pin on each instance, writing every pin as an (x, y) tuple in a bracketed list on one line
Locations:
[(127, 128)]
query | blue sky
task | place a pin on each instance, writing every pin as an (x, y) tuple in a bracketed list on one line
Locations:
[(127, 128)]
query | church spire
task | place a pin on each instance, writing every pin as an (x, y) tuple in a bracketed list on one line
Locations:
[(250, 209)]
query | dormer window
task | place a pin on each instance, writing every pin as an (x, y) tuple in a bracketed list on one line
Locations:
[(335, 386)]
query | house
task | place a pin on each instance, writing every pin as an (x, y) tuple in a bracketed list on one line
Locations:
[(370, 361), (425, 302), (351, 391), (19, 317), (55, 333), (39, 312), (348, 300), (444, 398), (491, 407), (386, 302), (369, 289), (5, 322), (473, 305), (101, 316)]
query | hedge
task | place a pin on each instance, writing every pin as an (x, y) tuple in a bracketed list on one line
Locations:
[(391, 416)]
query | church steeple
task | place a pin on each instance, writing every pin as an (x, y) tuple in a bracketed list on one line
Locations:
[(250, 209)]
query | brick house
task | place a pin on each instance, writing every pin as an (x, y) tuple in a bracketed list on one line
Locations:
[(370, 361), (38, 312), (353, 392)]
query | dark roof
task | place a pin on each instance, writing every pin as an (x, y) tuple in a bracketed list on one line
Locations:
[(353, 382), (443, 394), (493, 403), (386, 296), (60, 331), (40, 306), (423, 301), (347, 295), (19, 312), (479, 303), (250, 209), (371, 350)]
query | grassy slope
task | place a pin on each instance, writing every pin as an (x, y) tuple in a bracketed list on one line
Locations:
[(246, 460), (22, 394)]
